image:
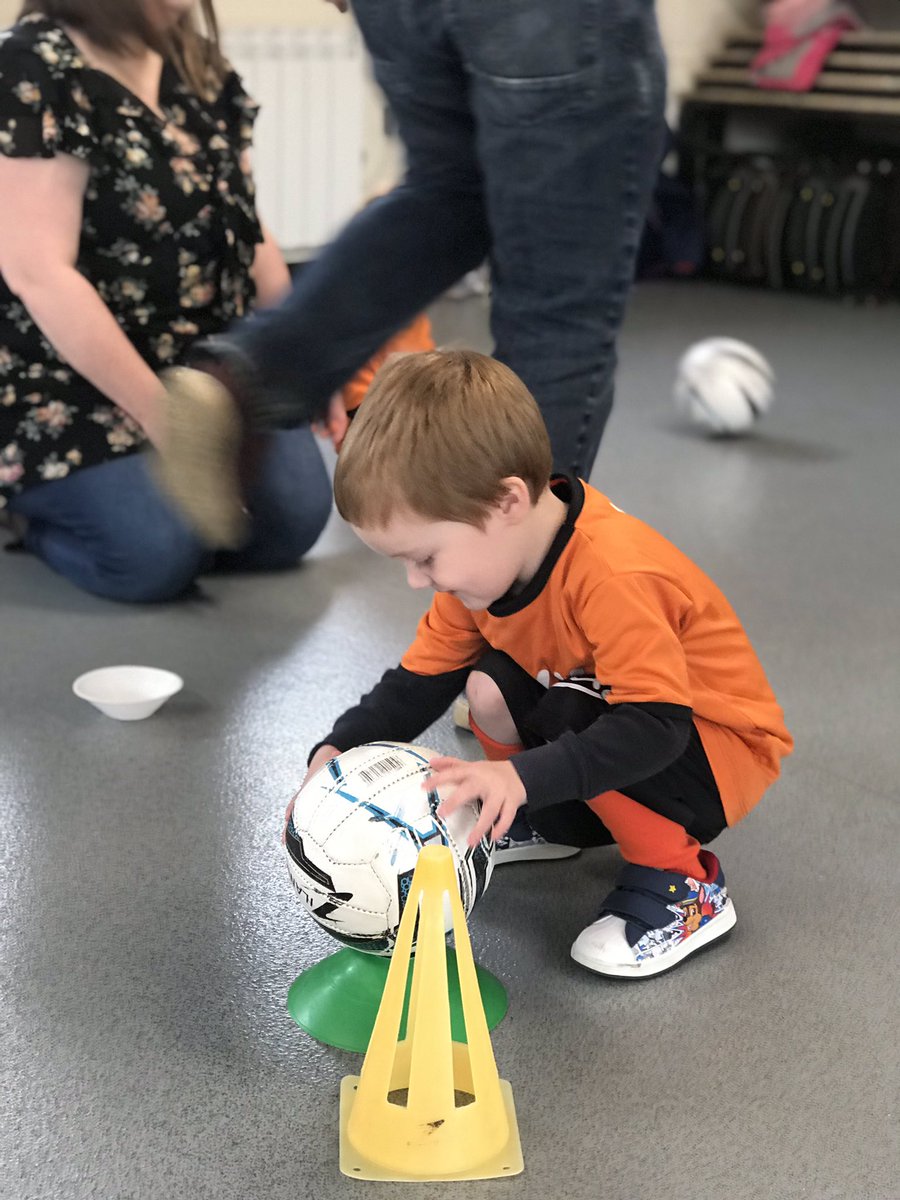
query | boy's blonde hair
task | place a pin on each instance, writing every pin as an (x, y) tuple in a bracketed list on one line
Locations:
[(437, 434)]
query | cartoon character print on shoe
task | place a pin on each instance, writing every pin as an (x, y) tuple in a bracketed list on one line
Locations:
[(703, 902)]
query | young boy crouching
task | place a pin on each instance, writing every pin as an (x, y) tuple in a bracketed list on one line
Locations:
[(613, 689)]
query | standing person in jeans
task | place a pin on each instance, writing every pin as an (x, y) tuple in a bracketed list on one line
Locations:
[(533, 133)]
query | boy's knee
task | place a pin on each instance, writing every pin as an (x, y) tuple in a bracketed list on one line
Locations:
[(485, 698)]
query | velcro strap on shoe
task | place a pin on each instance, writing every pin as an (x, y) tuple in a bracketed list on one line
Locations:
[(644, 909), (643, 895), (651, 879)]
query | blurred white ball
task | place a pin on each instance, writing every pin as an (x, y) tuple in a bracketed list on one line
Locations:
[(723, 385)]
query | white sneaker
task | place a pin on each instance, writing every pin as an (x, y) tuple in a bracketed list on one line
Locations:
[(653, 920)]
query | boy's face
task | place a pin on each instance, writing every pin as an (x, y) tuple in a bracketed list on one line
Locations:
[(477, 566)]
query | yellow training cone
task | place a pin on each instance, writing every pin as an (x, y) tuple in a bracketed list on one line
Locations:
[(427, 1107)]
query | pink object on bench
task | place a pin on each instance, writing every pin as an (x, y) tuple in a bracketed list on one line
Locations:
[(799, 36)]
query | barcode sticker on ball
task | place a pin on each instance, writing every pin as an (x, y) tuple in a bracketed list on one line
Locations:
[(384, 766)]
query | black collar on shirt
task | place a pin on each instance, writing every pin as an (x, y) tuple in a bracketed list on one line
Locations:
[(570, 490)]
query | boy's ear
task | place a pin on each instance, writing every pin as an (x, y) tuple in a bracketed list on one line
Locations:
[(515, 503)]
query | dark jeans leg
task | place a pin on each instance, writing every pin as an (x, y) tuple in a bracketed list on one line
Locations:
[(570, 129), (289, 504), (399, 253), (532, 131), (109, 531)]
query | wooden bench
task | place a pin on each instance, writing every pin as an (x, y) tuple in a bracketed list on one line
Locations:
[(861, 77)]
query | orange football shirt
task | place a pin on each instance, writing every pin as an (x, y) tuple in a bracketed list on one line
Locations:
[(621, 604)]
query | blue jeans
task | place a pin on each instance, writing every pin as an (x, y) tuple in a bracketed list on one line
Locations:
[(533, 133), (108, 530)]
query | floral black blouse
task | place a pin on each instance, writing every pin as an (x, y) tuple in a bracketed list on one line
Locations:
[(167, 239)]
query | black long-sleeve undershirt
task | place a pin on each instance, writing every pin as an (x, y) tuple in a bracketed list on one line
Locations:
[(628, 743)]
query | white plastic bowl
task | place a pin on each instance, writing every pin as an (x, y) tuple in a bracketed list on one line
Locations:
[(127, 693)]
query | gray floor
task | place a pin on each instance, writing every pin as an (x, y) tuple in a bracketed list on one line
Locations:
[(150, 935)]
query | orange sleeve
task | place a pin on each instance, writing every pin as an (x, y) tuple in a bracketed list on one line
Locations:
[(416, 336), (447, 638)]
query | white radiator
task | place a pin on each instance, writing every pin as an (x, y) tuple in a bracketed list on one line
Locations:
[(309, 138)]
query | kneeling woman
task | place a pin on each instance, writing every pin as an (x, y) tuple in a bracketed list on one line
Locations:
[(127, 231)]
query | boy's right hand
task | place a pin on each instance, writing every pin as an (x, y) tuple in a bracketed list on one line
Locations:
[(318, 760)]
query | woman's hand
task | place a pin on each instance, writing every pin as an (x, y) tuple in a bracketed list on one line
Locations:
[(496, 784)]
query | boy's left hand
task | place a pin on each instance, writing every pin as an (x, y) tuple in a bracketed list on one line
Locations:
[(496, 784)]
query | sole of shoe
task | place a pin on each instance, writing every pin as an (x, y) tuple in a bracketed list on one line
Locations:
[(716, 929), (461, 714), (545, 853), (197, 465)]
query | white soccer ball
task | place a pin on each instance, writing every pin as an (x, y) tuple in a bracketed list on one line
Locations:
[(723, 385), (354, 836)]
